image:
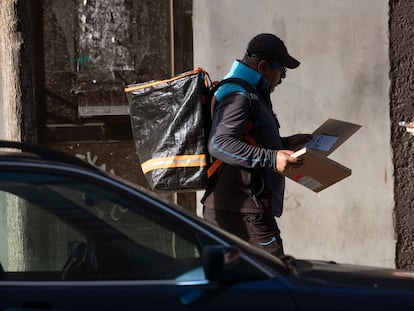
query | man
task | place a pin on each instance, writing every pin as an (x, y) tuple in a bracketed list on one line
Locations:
[(247, 191), (410, 128)]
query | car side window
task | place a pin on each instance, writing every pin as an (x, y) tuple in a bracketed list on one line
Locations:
[(60, 228), (34, 243)]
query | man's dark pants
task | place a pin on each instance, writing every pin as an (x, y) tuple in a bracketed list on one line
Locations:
[(255, 228)]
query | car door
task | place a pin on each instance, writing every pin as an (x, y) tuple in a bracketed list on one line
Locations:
[(82, 242)]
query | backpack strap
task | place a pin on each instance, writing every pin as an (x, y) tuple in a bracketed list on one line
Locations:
[(251, 94), (254, 113)]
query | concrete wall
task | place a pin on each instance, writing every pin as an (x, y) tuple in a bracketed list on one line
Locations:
[(402, 108), (343, 46)]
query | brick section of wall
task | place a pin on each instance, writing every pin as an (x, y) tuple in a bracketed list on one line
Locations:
[(402, 108)]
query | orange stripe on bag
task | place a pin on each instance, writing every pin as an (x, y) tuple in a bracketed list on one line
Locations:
[(174, 161)]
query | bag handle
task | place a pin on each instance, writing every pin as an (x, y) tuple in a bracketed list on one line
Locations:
[(154, 83)]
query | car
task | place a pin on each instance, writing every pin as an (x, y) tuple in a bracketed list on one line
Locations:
[(73, 237)]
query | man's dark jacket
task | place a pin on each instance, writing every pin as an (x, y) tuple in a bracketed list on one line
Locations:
[(247, 181)]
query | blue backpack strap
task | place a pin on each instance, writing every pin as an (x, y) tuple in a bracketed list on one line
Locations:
[(251, 94)]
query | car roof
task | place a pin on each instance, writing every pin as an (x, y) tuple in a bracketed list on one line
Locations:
[(22, 151)]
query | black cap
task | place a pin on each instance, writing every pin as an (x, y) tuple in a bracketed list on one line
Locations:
[(270, 47)]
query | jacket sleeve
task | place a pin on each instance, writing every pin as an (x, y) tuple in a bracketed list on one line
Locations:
[(226, 139)]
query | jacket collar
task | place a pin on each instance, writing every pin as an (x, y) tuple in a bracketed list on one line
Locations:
[(242, 71)]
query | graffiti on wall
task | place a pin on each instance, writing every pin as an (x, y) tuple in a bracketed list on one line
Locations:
[(78, 63)]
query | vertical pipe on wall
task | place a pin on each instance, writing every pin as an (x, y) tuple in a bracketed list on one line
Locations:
[(172, 54)]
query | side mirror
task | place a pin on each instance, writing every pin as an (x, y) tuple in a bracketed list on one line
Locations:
[(220, 263)]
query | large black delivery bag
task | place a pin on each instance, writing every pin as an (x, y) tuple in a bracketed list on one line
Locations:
[(169, 131)]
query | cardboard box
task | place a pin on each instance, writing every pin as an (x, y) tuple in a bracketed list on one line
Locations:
[(316, 171)]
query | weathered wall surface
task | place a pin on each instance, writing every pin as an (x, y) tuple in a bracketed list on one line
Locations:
[(343, 46), (91, 50), (10, 48), (402, 108)]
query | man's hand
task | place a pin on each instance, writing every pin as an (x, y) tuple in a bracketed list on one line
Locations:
[(284, 161), (410, 128)]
